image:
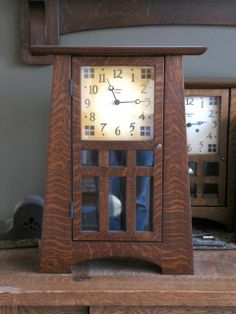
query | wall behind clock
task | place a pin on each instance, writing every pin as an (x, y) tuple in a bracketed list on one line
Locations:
[(25, 91)]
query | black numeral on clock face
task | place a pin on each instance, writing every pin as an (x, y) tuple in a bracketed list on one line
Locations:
[(102, 78), (189, 148), (189, 101), (132, 127), (211, 114), (144, 89), (117, 131), (87, 102), (117, 73), (201, 145), (93, 89), (92, 116), (103, 125)]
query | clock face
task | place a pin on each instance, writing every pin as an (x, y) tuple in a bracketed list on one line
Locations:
[(117, 103), (202, 122)]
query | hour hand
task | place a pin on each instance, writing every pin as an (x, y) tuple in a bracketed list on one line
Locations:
[(111, 88)]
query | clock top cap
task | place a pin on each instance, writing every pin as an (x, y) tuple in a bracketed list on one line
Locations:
[(117, 51)]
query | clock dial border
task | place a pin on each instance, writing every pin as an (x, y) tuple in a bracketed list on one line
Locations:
[(117, 102)]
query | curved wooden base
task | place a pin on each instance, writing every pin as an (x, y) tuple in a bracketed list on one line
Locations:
[(155, 253)]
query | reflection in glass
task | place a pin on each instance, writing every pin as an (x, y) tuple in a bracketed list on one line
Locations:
[(193, 190), (89, 206), (211, 169), (145, 158), (144, 188), (116, 203), (89, 157), (117, 158), (210, 190), (192, 168)]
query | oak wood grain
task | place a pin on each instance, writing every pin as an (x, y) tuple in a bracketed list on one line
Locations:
[(82, 15), (116, 51), (159, 310), (91, 284), (68, 16), (176, 203), (207, 83), (8, 309), (38, 25), (56, 251), (52, 310)]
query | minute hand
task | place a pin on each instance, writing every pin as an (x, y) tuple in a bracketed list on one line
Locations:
[(136, 101), (197, 123)]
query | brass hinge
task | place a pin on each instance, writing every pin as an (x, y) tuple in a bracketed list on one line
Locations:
[(71, 87), (72, 210)]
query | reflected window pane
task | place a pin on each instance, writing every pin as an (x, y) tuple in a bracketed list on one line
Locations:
[(211, 169), (117, 158), (144, 188), (145, 158), (192, 168), (210, 190), (89, 206), (89, 158), (193, 190), (117, 203)]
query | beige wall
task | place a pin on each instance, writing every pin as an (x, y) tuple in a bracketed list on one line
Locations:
[(25, 91)]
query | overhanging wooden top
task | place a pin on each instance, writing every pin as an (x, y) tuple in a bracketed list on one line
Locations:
[(116, 51)]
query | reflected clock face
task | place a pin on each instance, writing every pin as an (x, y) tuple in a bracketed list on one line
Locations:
[(202, 122), (117, 103)]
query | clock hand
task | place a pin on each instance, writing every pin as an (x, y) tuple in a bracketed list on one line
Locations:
[(201, 122), (197, 123), (136, 101), (111, 88)]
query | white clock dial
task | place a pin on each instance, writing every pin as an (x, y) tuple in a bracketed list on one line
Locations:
[(202, 122), (117, 103)]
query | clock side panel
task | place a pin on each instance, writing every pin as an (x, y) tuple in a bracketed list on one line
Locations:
[(103, 170), (177, 224), (56, 249)]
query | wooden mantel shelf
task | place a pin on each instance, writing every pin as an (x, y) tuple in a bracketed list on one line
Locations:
[(213, 285)]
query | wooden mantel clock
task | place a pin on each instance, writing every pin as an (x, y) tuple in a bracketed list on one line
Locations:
[(117, 180)]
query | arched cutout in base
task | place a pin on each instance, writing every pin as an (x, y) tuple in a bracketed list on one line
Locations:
[(110, 266)]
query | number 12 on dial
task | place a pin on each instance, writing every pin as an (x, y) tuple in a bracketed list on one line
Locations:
[(117, 103)]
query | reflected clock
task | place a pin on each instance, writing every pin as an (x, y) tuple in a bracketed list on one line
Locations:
[(207, 125)]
